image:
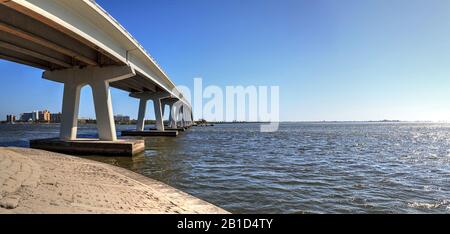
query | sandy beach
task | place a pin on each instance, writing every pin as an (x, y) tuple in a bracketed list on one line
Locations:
[(36, 181)]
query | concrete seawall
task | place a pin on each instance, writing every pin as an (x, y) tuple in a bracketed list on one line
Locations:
[(37, 181)]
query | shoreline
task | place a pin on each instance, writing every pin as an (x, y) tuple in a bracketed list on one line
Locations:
[(37, 181)]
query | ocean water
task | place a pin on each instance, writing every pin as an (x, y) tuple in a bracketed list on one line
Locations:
[(302, 168)]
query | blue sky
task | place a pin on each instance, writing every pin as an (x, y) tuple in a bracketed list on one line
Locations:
[(333, 60)]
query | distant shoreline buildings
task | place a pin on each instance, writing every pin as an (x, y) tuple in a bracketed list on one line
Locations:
[(43, 116), (46, 116), (122, 119), (10, 118)]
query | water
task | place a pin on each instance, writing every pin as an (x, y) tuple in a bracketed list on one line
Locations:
[(303, 168)]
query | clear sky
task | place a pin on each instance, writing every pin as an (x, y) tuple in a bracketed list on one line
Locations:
[(333, 60)]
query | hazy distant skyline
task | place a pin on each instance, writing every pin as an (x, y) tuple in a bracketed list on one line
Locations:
[(333, 60)]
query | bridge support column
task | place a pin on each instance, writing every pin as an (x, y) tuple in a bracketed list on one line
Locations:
[(158, 108), (172, 111), (159, 122), (180, 118), (185, 120), (141, 115), (189, 116), (172, 116), (103, 111), (175, 115), (98, 78), (186, 116), (70, 107)]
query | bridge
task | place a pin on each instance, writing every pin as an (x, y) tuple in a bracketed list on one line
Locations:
[(78, 43)]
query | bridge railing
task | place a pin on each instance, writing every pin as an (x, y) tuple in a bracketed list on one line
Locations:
[(129, 34)]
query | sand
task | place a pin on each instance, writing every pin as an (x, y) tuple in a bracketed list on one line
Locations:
[(37, 181)]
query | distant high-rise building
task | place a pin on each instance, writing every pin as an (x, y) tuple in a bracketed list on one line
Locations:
[(28, 117), (44, 116), (55, 118), (10, 118), (35, 115)]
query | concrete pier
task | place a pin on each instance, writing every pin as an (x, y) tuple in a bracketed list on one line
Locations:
[(121, 147), (149, 133), (170, 129)]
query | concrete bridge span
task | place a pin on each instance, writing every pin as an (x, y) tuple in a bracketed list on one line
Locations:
[(78, 43)]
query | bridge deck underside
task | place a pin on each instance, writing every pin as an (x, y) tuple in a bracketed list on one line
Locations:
[(28, 41)]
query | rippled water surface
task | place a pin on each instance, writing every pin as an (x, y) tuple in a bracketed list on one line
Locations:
[(302, 168)]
